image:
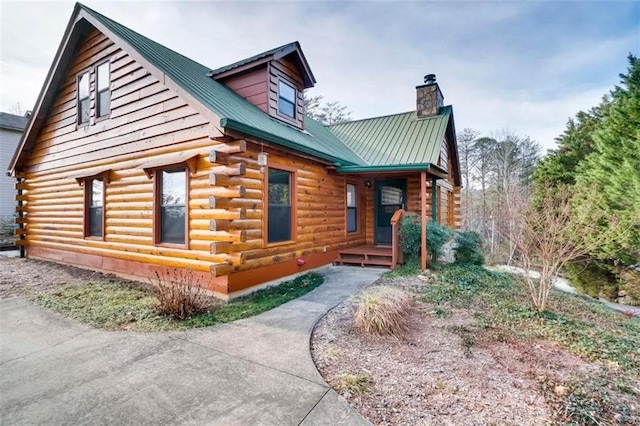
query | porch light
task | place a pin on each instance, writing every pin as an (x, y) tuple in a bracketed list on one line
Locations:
[(262, 161)]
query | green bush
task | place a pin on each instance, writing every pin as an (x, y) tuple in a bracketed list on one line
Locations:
[(411, 235), (468, 248), (593, 278)]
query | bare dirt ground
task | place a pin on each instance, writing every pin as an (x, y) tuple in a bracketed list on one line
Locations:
[(24, 277), (434, 376)]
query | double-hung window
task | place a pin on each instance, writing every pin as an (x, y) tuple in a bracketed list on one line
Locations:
[(171, 199), (84, 98), (99, 91), (280, 193), (286, 99), (94, 211), (352, 208)]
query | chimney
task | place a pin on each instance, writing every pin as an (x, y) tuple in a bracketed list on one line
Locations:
[(429, 98)]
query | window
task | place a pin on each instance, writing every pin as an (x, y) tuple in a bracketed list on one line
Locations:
[(352, 209), (83, 98), (286, 99), (94, 214), (279, 211), (172, 201), (103, 101)]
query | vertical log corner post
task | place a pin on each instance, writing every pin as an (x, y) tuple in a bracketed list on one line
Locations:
[(20, 186), (222, 178), (423, 220)]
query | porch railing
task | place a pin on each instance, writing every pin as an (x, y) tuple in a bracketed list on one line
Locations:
[(396, 247)]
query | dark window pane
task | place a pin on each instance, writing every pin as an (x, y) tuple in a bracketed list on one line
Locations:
[(279, 223), (95, 221), (173, 206), (352, 221), (279, 209), (172, 229)]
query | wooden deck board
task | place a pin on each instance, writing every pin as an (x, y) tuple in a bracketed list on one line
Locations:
[(366, 255)]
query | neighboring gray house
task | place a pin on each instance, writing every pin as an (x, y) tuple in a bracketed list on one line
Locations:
[(11, 128)]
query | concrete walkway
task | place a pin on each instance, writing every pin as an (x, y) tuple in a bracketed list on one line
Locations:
[(256, 371)]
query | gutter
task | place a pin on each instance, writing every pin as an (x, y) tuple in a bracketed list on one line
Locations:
[(257, 133), (385, 168)]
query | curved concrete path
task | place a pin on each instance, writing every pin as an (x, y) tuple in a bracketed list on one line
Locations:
[(256, 371)]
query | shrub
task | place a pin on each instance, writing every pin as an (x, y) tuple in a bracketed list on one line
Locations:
[(382, 310), (180, 294), (411, 237), (468, 248), (593, 278), (7, 226), (353, 384)]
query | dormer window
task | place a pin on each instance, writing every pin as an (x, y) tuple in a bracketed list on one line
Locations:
[(286, 99)]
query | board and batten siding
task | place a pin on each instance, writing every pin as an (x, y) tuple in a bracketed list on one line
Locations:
[(284, 69), (9, 140), (252, 86)]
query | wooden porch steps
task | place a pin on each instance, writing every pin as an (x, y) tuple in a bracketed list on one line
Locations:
[(368, 255)]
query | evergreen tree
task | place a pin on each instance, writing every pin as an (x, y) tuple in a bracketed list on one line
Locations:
[(613, 168)]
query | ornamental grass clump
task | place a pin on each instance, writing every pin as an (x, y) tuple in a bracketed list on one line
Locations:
[(382, 311), (180, 294)]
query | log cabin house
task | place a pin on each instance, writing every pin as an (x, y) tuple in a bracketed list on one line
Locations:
[(138, 159)]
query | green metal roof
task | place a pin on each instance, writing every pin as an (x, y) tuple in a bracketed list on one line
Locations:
[(235, 111), (396, 139), (276, 53), (392, 141)]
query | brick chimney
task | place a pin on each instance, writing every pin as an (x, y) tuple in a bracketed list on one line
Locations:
[(429, 97)]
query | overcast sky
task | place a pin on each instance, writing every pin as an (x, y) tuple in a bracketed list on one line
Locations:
[(526, 66)]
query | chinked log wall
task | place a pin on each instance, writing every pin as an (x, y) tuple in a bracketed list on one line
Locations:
[(150, 122)]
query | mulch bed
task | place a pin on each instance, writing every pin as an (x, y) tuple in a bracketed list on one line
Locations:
[(433, 377)]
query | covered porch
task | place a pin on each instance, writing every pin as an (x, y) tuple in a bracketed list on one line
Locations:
[(389, 195)]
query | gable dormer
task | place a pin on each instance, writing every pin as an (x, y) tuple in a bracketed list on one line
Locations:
[(274, 81)]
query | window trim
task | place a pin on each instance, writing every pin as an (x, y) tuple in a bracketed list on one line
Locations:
[(295, 117), (87, 183), (79, 75), (294, 207), (97, 91), (157, 205), (356, 185)]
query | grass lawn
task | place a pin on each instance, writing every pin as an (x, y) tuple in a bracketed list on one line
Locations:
[(577, 324), (124, 306)]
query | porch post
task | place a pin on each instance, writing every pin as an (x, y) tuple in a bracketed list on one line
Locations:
[(434, 200), (423, 215)]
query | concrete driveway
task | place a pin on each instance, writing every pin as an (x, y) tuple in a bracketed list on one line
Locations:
[(256, 371)]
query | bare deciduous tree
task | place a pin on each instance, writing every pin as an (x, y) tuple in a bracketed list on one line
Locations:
[(548, 234), (326, 112)]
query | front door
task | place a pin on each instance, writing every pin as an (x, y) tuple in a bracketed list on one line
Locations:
[(391, 195)]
